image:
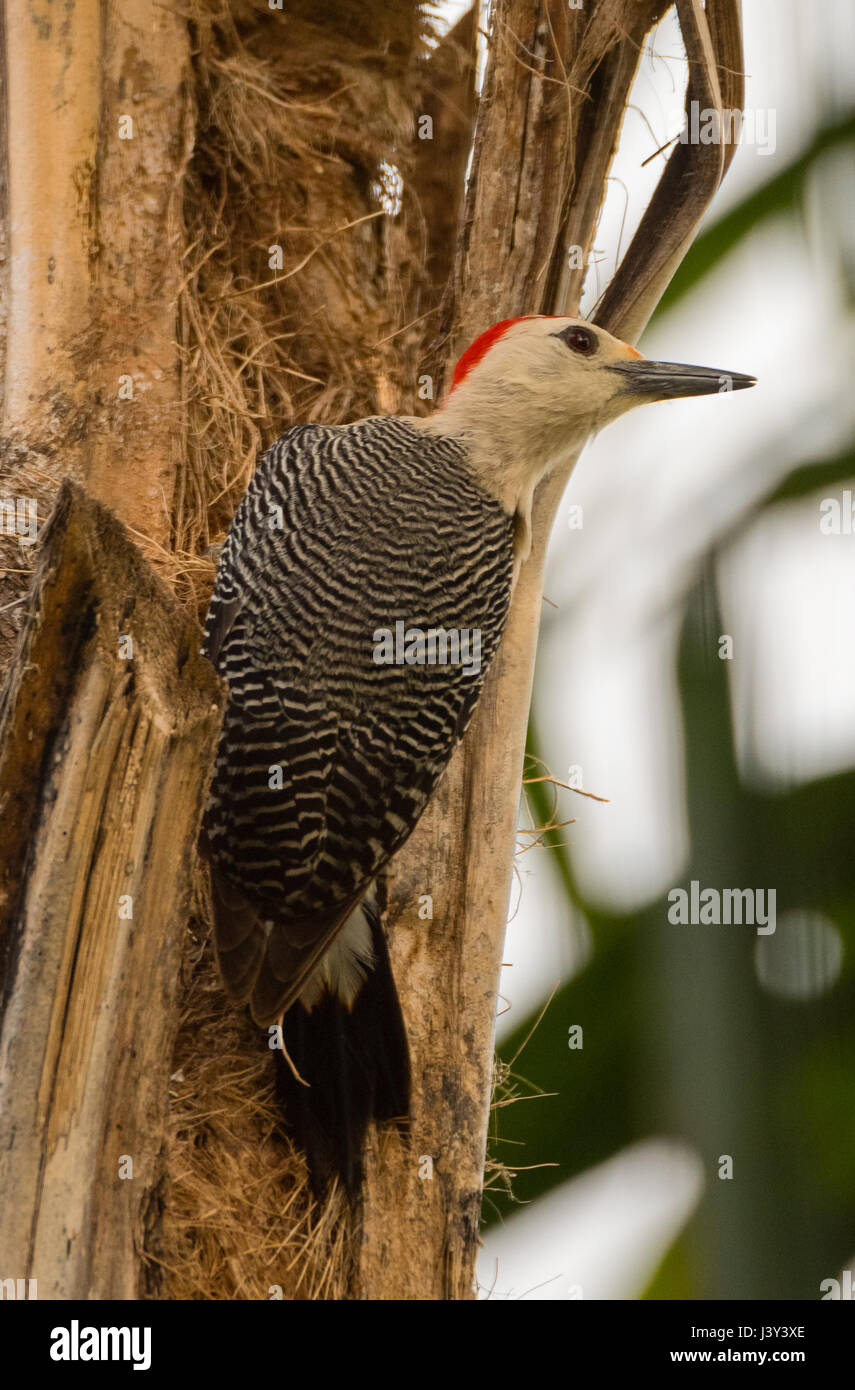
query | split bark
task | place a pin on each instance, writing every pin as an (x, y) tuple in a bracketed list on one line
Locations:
[(108, 730), (98, 130)]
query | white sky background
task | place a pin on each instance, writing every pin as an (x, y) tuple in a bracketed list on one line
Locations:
[(654, 487)]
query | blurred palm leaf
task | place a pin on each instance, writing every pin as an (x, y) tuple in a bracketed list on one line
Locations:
[(784, 193)]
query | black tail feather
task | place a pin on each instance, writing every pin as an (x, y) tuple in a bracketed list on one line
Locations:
[(357, 1064)]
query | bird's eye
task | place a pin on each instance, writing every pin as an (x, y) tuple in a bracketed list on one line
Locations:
[(580, 340)]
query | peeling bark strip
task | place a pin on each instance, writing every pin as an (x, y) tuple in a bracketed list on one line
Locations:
[(104, 764)]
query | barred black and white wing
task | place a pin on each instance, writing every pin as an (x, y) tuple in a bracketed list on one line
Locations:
[(328, 754)]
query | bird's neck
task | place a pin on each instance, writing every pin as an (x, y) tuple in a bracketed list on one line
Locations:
[(508, 456)]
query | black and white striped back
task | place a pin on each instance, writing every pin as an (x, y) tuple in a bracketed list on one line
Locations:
[(328, 758)]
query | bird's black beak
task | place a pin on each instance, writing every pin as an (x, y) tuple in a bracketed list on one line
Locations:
[(665, 381)]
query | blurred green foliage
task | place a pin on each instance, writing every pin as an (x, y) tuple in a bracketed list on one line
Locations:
[(680, 1038)]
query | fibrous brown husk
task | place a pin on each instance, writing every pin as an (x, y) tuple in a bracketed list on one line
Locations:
[(296, 110)]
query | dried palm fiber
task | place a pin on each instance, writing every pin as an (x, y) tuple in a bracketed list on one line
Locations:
[(296, 111)]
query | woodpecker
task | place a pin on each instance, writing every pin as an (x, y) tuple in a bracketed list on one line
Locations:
[(361, 564)]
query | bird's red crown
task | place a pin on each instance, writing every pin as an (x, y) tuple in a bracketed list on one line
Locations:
[(481, 346)]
